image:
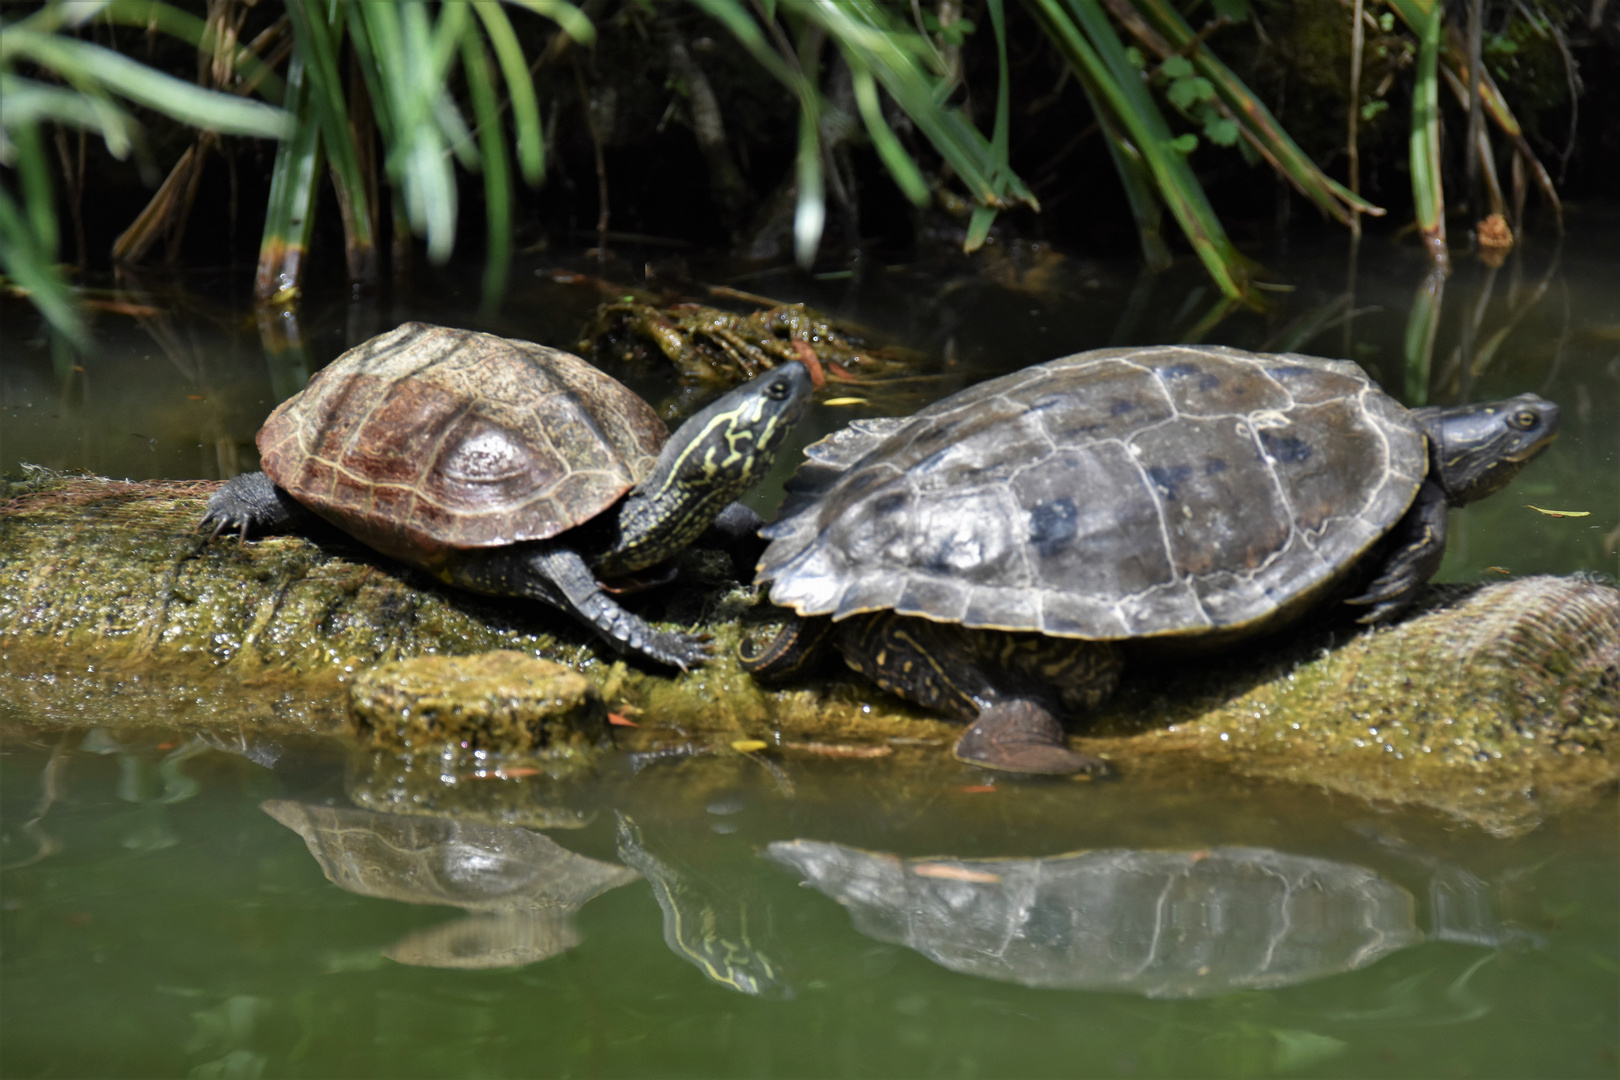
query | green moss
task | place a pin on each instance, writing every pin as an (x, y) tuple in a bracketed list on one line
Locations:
[(1497, 704), (502, 700)]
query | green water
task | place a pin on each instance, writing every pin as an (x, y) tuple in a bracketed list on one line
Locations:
[(156, 920)]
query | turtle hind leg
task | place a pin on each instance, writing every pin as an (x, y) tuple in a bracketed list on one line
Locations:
[(991, 679), (253, 503), (1020, 735), (1417, 546), (560, 576)]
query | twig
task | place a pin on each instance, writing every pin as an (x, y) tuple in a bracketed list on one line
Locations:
[(601, 160), (1353, 142)]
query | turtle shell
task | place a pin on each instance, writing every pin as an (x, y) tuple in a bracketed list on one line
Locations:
[(425, 440), (1113, 494)]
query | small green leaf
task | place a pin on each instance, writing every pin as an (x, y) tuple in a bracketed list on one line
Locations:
[(1178, 67), (1386, 22), (1184, 144), (1184, 93), (1133, 56), (1373, 108), (1220, 131), (1232, 10)]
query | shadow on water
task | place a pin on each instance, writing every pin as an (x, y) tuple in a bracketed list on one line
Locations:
[(237, 906)]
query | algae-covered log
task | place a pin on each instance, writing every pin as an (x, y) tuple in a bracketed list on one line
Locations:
[(1492, 702), (1495, 703)]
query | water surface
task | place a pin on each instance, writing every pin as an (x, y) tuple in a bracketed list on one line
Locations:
[(158, 918)]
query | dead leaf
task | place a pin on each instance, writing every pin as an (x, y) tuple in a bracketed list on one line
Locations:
[(948, 872)]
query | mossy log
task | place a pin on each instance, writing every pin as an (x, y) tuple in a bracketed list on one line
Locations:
[(1495, 703)]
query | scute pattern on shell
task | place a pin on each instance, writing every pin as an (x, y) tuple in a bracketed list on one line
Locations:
[(428, 439), (1113, 494)]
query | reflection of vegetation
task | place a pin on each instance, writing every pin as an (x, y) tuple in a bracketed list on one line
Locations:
[(392, 98)]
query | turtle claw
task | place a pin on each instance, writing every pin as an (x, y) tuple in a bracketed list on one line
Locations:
[(251, 502), (684, 651), (1021, 736)]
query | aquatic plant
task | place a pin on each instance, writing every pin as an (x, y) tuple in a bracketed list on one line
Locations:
[(403, 101)]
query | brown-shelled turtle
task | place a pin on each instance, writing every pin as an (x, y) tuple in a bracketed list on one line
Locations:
[(989, 557), (509, 468), (519, 888)]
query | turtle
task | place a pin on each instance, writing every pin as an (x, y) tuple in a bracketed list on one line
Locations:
[(995, 555), (513, 469), (1164, 924), (519, 887)]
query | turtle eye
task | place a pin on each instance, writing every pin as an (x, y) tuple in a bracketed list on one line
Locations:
[(1524, 420), (778, 390)]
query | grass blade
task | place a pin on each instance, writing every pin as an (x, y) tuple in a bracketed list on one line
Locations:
[(893, 155), (32, 270), (1138, 183), (418, 162), (1414, 14), (319, 42), (531, 145), (1257, 124), (1428, 192), (1098, 59), (810, 214), (150, 15), (290, 213), (87, 66), (1421, 324), (891, 51), (26, 101), (565, 15), (497, 170)]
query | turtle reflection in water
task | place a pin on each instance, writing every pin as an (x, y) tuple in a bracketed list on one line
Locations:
[(520, 887), (1172, 924), (705, 922)]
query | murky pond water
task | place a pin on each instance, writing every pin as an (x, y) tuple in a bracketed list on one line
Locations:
[(173, 905)]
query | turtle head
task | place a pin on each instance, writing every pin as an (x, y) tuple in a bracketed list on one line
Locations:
[(727, 447), (710, 460), (1474, 450)]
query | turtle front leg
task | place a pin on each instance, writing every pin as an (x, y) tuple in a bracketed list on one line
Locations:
[(736, 532), (252, 503), (560, 576), (1417, 546)]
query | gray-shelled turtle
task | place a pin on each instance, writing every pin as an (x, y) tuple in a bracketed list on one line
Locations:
[(987, 556), (509, 468), (1159, 923)]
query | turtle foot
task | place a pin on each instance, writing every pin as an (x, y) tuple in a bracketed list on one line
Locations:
[(684, 651), (252, 504), (1021, 736)]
